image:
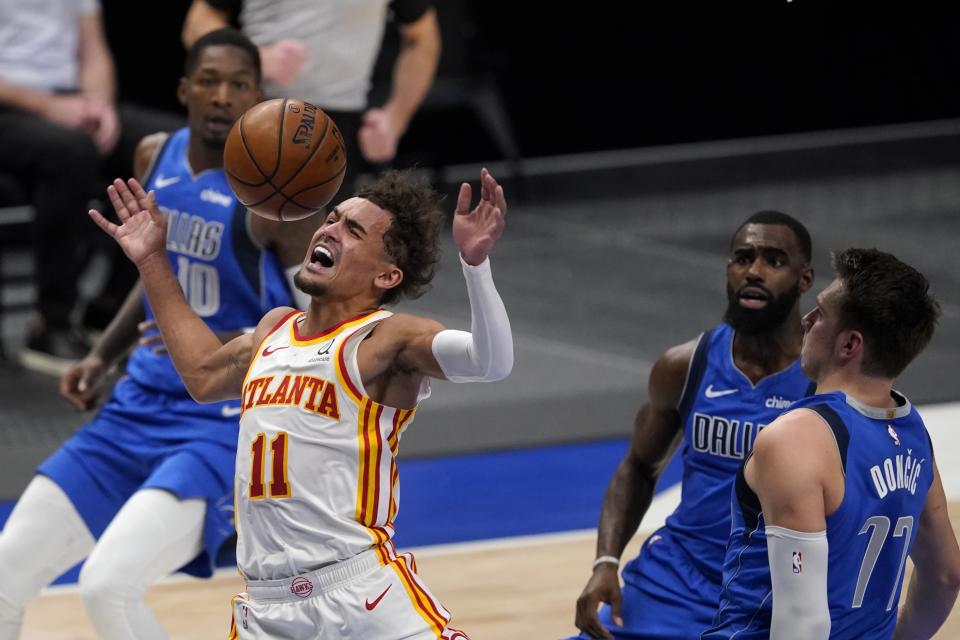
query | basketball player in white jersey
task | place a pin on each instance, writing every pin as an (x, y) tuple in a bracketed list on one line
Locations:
[(326, 395)]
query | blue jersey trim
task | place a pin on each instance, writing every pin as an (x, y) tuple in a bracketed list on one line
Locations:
[(698, 366), (840, 432)]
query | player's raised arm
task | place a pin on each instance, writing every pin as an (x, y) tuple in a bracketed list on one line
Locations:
[(936, 577), (485, 353), (210, 370)]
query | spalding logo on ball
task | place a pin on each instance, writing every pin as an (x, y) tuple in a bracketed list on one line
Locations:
[(285, 159)]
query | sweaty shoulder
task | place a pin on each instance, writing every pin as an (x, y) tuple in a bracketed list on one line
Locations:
[(145, 153), (669, 374)]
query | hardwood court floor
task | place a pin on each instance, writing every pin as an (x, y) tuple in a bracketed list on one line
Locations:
[(496, 591)]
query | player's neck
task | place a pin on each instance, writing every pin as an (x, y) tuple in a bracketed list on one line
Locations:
[(324, 313), (770, 351), (203, 157), (868, 390)]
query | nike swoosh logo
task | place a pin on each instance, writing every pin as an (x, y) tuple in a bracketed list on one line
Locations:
[(267, 350), (710, 393), (162, 182), (372, 605), (229, 412)]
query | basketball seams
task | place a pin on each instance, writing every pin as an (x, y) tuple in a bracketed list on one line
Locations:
[(252, 158), (312, 153), (269, 193), (283, 120)]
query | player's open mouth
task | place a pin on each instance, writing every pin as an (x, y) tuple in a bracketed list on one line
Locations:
[(753, 298), (322, 256), (219, 123)]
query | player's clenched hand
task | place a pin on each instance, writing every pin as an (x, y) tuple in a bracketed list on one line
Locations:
[(476, 231), (142, 230), (378, 136), (603, 586), (283, 60), (82, 384)]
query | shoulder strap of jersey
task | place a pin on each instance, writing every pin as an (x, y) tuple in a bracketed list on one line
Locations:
[(698, 365), (747, 499), (837, 426), (155, 160)]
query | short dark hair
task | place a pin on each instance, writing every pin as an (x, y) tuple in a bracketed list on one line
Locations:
[(224, 36), (890, 303), (769, 216), (411, 241)]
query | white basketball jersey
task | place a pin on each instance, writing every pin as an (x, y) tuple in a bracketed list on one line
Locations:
[(316, 478)]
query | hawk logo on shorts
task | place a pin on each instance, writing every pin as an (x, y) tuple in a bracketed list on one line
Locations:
[(301, 587), (893, 434), (797, 562)]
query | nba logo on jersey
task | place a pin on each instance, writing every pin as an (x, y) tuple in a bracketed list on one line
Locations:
[(797, 562), (893, 434)]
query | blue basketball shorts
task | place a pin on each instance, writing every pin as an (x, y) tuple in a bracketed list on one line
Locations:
[(665, 597), (144, 439)]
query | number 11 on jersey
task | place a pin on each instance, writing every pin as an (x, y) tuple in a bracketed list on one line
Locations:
[(279, 488)]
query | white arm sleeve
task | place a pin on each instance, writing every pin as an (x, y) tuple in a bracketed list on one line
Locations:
[(485, 354), (798, 574), (301, 300)]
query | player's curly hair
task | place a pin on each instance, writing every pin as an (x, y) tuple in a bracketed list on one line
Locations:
[(412, 239)]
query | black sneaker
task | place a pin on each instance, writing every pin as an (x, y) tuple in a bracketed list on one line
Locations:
[(52, 351)]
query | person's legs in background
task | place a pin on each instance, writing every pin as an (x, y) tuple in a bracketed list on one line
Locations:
[(61, 164)]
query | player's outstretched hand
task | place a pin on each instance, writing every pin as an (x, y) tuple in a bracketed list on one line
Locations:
[(476, 231), (82, 384), (603, 586), (142, 230)]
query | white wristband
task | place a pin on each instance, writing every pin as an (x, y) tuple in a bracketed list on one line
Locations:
[(606, 560)]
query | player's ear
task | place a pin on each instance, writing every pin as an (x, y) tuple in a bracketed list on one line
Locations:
[(806, 278), (849, 344), (182, 91), (389, 278)]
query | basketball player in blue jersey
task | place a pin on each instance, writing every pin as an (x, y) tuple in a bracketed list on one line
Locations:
[(844, 486), (711, 396), (145, 488)]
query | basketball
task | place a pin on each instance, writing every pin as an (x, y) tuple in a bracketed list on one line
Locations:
[(284, 159)]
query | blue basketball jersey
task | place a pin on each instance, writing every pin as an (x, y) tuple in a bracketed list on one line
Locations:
[(721, 413), (888, 468), (228, 279)]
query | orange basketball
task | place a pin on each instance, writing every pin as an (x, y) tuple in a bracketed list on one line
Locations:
[(285, 159)]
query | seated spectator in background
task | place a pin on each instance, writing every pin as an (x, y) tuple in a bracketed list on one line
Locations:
[(324, 53), (60, 130)]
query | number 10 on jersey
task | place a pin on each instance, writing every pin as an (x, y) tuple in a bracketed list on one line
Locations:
[(279, 487)]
